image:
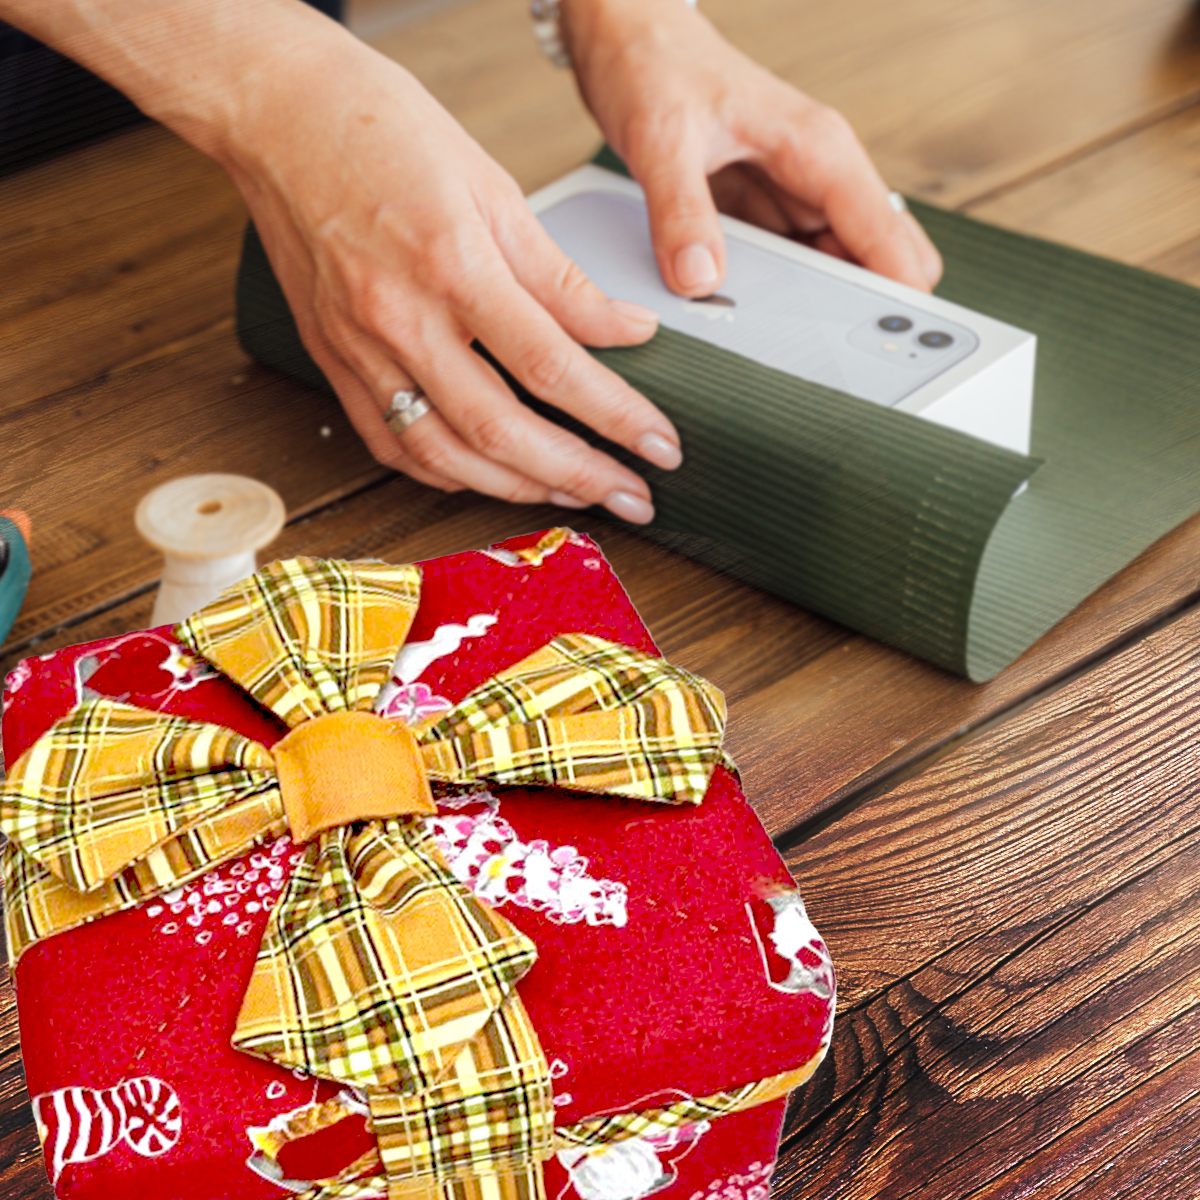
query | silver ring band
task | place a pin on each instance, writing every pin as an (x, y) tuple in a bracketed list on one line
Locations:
[(408, 405), (898, 202)]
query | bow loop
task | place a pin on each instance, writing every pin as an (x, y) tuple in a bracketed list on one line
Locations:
[(400, 965), (585, 714), (309, 636), (112, 784)]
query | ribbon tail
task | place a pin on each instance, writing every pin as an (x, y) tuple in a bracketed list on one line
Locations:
[(378, 966), (495, 1124)]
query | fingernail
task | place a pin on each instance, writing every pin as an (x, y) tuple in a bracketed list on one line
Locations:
[(634, 312), (655, 448), (695, 266), (629, 507), (565, 501)]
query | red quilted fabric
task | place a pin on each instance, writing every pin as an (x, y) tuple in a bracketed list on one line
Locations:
[(658, 975)]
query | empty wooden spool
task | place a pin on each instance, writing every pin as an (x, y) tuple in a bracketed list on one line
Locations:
[(209, 529)]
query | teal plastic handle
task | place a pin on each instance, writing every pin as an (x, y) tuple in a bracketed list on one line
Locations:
[(14, 576)]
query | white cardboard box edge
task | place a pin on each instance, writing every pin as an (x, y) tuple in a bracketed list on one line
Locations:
[(988, 395)]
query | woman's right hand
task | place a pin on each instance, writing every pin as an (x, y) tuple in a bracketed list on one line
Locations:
[(397, 242)]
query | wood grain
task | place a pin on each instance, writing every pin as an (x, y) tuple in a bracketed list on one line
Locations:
[(1017, 933), (1135, 200), (953, 100), (1015, 924), (107, 254), (86, 456), (22, 1175)]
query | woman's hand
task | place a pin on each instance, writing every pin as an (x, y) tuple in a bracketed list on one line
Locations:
[(396, 239), (702, 127)]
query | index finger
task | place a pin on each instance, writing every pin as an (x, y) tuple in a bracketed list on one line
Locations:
[(820, 160), (551, 365)]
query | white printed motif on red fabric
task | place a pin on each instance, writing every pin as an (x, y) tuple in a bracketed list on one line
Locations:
[(559, 1070), (228, 898), (632, 1168), (181, 670), (754, 1183), (485, 853), (797, 959), (17, 678), (81, 1124), (402, 698)]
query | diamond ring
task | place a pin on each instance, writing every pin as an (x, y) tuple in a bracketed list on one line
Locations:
[(408, 405)]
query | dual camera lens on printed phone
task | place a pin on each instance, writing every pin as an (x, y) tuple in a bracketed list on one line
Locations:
[(934, 339)]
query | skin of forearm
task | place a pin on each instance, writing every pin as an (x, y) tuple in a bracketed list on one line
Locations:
[(201, 67), (616, 26)]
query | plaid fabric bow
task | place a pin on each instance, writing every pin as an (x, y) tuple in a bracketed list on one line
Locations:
[(378, 968)]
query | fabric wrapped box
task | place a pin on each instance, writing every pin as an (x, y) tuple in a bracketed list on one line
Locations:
[(634, 984)]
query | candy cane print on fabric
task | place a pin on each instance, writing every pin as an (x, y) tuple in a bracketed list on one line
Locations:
[(81, 1124)]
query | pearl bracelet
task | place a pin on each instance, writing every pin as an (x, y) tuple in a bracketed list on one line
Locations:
[(547, 29)]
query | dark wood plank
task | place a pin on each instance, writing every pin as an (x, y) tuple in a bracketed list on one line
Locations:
[(84, 457), (989, 1089), (108, 254), (1017, 932), (1151, 1138), (22, 1175)]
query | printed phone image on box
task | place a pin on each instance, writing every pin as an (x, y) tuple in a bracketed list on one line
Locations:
[(808, 314)]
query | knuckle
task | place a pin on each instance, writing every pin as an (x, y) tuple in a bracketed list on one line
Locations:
[(830, 122), (494, 435), (431, 453), (523, 491), (545, 369), (373, 304), (581, 479), (573, 283), (451, 268)]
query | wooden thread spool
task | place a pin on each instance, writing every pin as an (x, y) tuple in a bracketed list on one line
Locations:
[(208, 528)]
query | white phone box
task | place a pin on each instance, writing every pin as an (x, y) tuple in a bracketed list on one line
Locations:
[(811, 315)]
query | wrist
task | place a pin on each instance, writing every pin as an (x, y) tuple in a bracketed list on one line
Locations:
[(594, 29), (234, 102), (201, 68)]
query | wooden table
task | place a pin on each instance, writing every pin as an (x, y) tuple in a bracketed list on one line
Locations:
[(1006, 874)]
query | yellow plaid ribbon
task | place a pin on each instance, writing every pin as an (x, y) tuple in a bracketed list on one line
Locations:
[(378, 968)]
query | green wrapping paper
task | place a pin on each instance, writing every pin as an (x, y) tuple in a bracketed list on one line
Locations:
[(904, 530)]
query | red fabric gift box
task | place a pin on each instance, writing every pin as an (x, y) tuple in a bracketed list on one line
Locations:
[(674, 956)]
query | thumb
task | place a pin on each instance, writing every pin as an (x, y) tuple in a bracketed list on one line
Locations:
[(684, 227)]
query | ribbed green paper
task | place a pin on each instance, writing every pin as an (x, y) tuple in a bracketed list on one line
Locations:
[(885, 522)]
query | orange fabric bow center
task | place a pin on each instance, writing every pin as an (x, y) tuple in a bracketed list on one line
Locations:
[(346, 767)]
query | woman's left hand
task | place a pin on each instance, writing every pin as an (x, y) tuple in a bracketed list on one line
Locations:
[(702, 126)]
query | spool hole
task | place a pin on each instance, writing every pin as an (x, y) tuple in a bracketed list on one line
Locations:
[(208, 508)]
